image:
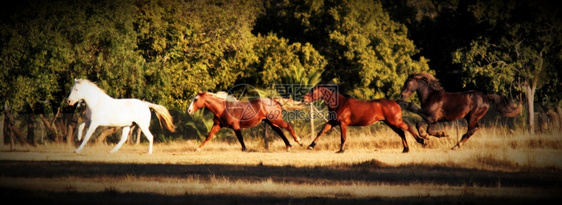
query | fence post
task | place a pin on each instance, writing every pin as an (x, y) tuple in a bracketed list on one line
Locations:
[(2, 130), (311, 121), (265, 142)]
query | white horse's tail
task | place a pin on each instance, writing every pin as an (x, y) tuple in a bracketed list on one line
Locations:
[(163, 115)]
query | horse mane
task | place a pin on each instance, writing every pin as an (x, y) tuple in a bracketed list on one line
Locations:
[(90, 84), (223, 95), (431, 81), (341, 89)]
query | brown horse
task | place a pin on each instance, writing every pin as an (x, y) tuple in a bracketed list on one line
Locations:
[(237, 115), (438, 105), (353, 112)]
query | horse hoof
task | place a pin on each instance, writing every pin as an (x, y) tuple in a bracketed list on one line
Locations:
[(299, 141), (442, 134), (340, 151), (406, 150), (198, 149), (421, 141), (456, 147), (311, 146)]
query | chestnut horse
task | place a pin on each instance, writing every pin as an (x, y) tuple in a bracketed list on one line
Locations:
[(237, 115), (353, 112), (438, 105)]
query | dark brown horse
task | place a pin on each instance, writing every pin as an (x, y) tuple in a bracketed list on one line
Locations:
[(438, 105), (353, 112), (237, 115)]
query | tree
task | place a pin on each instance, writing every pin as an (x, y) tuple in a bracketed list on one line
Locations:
[(519, 48), (195, 45), (438, 28), (365, 50), (47, 44), (277, 58)]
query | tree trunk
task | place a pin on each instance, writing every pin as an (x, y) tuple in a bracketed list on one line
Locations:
[(138, 138), (559, 112), (13, 128), (70, 133), (1, 130), (104, 134), (51, 129), (30, 129), (530, 92)]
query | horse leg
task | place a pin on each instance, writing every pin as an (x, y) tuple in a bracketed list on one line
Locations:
[(419, 126), (239, 136), (89, 133), (472, 120), (123, 139), (216, 127), (400, 133), (81, 127), (415, 135), (471, 130), (343, 128), (148, 134), (282, 124), (281, 134), (81, 130), (327, 127), (406, 127), (432, 132)]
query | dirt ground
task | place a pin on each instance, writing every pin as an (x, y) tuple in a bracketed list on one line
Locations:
[(222, 174)]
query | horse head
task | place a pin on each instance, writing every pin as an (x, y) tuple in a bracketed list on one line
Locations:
[(313, 95), (410, 86), (197, 103), (424, 83), (328, 92), (75, 93)]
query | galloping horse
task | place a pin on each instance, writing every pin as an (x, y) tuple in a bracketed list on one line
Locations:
[(103, 110), (231, 113), (438, 105), (353, 112)]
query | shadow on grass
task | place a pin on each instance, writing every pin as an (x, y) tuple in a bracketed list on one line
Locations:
[(366, 172), (110, 197)]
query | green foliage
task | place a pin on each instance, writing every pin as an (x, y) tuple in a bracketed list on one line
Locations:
[(519, 47), (164, 51), (192, 46), (46, 44), (281, 62), (200, 123), (365, 50)]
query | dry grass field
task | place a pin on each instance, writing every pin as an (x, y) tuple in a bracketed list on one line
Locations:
[(496, 166)]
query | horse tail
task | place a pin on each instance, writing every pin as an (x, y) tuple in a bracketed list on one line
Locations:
[(504, 106), (289, 104), (163, 115)]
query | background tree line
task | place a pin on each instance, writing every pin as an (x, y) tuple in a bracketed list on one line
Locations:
[(164, 51)]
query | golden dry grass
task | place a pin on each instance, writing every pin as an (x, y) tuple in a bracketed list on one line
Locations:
[(495, 165)]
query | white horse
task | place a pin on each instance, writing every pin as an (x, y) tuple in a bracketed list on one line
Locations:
[(103, 110)]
